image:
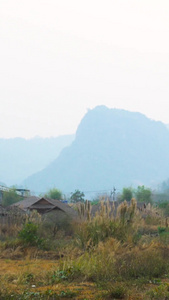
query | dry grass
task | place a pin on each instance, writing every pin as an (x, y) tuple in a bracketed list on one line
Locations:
[(119, 253), (33, 279), (37, 278)]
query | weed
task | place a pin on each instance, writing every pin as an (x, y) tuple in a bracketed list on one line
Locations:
[(161, 292), (115, 291), (58, 276), (145, 263), (67, 294), (163, 235)]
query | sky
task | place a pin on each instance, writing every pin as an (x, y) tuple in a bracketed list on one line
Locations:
[(60, 58)]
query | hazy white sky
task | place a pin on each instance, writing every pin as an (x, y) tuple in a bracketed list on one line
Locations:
[(61, 57)]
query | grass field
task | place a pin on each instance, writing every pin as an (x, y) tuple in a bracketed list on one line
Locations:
[(112, 255), (32, 279)]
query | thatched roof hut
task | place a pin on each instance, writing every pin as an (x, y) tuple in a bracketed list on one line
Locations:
[(45, 205)]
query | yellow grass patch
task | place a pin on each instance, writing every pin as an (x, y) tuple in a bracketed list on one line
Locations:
[(12, 271)]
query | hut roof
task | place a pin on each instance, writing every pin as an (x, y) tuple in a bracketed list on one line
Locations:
[(35, 203), (27, 202), (62, 206)]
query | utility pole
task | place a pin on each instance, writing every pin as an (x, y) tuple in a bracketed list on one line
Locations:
[(113, 192)]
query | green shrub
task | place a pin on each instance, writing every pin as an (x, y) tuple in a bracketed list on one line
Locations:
[(165, 207), (161, 229), (29, 235)]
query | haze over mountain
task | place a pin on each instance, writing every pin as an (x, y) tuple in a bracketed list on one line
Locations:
[(112, 147), (20, 158)]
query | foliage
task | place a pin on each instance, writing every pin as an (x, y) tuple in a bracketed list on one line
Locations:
[(10, 197), (161, 229), (143, 194), (54, 194), (160, 292), (77, 196), (163, 235), (29, 235), (127, 194), (56, 221), (95, 202), (165, 207)]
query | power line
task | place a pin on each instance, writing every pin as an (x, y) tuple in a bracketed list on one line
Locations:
[(95, 191)]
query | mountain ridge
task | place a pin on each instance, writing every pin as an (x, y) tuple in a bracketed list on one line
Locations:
[(112, 147), (21, 157)]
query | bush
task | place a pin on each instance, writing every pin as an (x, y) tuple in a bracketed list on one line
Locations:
[(164, 206), (29, 235)]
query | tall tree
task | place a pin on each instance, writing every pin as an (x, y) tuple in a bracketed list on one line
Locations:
[(10, 197), (54, 194), (127, 194), (77, 196), (143, 194)]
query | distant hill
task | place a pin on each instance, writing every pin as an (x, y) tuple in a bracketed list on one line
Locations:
[(167, 125), (20, 158), (112, 147)]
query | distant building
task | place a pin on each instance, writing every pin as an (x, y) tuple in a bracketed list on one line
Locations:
[(23, 192), (45, 205), (20, 192)]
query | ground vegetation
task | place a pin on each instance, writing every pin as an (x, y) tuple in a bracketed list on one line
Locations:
[(118, 252)]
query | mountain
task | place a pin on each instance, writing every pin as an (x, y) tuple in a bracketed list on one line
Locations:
[(112, 147), (20, 158), (167, 125)]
